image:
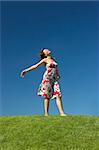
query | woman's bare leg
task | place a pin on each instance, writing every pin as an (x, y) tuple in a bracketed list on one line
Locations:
[(46, 106), (60, 107)]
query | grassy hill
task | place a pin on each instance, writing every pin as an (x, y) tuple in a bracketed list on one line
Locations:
[(49, 133)]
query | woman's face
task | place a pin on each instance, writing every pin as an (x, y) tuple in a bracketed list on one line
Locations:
[(46, 52)]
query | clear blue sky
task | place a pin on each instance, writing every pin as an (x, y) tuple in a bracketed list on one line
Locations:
[(70, 31)]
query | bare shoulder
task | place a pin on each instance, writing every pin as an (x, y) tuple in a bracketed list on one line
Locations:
[(44, 60), (49, 60)]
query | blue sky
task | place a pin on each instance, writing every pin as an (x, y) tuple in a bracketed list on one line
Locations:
[(70, 31)]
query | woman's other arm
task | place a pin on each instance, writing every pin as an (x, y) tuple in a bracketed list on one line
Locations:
[(57, 73)]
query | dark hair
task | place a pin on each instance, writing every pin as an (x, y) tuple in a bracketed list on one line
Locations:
[(42, 55)]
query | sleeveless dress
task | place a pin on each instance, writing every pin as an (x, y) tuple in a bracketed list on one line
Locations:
[(49, 86)]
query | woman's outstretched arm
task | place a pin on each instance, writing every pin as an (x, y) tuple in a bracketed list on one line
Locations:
[(40, 63)]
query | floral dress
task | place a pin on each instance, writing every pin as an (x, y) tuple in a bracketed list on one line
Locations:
[(49, 87)]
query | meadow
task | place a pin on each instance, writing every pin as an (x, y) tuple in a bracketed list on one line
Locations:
[(49, 133)]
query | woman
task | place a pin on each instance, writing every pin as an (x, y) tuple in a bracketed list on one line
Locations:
[(49, 87)]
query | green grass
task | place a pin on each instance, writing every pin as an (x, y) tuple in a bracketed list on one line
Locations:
[(49, 133)]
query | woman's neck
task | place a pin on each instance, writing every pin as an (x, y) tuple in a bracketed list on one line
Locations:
[(49, 56)]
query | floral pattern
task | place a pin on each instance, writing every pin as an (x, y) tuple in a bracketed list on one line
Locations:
[(49, 87)]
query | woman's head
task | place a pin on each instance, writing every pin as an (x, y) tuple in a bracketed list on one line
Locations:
[(44, 53)]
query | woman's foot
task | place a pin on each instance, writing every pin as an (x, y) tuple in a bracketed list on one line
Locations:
[(63, 115), (46, 115)]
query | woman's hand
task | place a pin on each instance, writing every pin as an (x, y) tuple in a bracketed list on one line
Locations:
[(23, 73), (58, 77)]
